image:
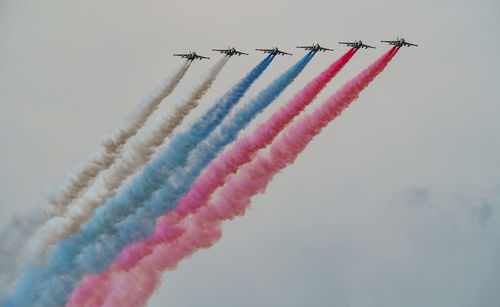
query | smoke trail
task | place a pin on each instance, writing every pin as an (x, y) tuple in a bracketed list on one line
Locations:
[(137, 152), (184, 142), (78, 181), (54, 283), (203, 229), (241, 153)]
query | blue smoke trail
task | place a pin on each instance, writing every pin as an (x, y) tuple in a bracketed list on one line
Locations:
[(67, 266), (156, 173)]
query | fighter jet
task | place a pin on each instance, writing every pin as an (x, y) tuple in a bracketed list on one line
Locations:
[(230, 51), (315, 48), (274, 51), (191, 56), (399, 42), (356, 45)]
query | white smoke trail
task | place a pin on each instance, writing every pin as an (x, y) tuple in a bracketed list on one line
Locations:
[(77, 181), (109, 150), (136, 153)]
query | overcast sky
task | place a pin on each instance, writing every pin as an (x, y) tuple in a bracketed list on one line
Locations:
[(396, 203)]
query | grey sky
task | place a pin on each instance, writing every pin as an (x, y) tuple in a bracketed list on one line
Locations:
[(394, 204)]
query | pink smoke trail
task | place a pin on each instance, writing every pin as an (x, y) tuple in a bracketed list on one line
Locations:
[(202, 229), (93, 289)]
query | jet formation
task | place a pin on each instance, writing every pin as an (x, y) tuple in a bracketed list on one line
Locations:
[(357, 44)]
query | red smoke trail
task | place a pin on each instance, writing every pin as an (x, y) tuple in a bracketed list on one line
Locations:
[(202, 229), (93, 287)]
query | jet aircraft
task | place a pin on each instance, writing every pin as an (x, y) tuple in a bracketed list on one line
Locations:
[(274, 51), (315, 48), (356, 45), (230, 51), (399, 42), (191, 56)]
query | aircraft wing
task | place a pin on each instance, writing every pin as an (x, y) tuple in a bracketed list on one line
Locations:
[(347, 43), (390, 42), (325, 49), (265, 50), (220, 50), (284, 53), (409, 44), (181, 55), (305, 47), (240, 53), (367, 46), (202, 57)]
